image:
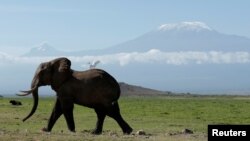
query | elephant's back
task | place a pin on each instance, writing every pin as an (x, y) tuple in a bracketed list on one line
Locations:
[(98, 86), (93, 76)]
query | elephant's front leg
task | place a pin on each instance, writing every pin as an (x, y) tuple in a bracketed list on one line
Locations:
[(67, 109), (56, 113)]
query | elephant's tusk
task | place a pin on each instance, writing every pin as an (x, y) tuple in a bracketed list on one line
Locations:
[(24, 93)]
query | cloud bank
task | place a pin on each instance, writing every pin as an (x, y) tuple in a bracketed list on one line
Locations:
[(152, 56)]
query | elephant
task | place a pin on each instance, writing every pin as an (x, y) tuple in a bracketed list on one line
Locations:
[(15, 102), (93, 88)]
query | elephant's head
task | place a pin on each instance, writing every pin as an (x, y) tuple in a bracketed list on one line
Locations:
[(53, 73)]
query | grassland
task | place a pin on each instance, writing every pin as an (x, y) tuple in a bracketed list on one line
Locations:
[(161, 117)]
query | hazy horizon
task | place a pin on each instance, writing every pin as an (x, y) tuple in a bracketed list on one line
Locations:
[(183, 46)]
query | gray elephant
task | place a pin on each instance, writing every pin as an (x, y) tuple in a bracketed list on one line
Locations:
[(92, 88)]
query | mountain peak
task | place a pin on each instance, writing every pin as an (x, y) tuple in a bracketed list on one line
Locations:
[(43, 47), (186, 26)]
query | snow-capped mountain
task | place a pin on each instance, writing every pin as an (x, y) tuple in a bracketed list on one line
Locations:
[(182, 57), (184, 36), (44, 49)]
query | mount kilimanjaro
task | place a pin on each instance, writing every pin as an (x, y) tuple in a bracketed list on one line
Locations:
[(184, 36), (160, 59)]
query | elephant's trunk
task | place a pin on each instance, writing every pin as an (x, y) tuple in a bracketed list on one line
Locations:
[(34, 89), (35, 103)]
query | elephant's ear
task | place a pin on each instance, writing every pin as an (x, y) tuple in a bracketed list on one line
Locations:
[(64, 65), (61, 73)]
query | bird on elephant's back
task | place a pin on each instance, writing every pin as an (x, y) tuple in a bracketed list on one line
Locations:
[(94, 88)]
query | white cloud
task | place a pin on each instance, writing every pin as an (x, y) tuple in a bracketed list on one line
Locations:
[(151, 56)]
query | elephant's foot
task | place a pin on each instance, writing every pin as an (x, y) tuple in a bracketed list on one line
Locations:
[(44, 129), (127, 131), (96, 132), (72, 131)]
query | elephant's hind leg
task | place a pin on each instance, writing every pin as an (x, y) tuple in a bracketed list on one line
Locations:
[(114, 112), (56, 113), (100, 119)]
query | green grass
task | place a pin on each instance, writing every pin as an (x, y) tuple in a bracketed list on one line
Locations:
[(162, 118)]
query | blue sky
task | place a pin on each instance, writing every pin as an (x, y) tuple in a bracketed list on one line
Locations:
[(91, 24)]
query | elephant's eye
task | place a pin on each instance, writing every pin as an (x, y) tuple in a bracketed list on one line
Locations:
[(43, 66), (47, 69)]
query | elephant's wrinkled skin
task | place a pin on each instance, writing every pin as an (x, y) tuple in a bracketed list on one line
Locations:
[(93, 88)]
